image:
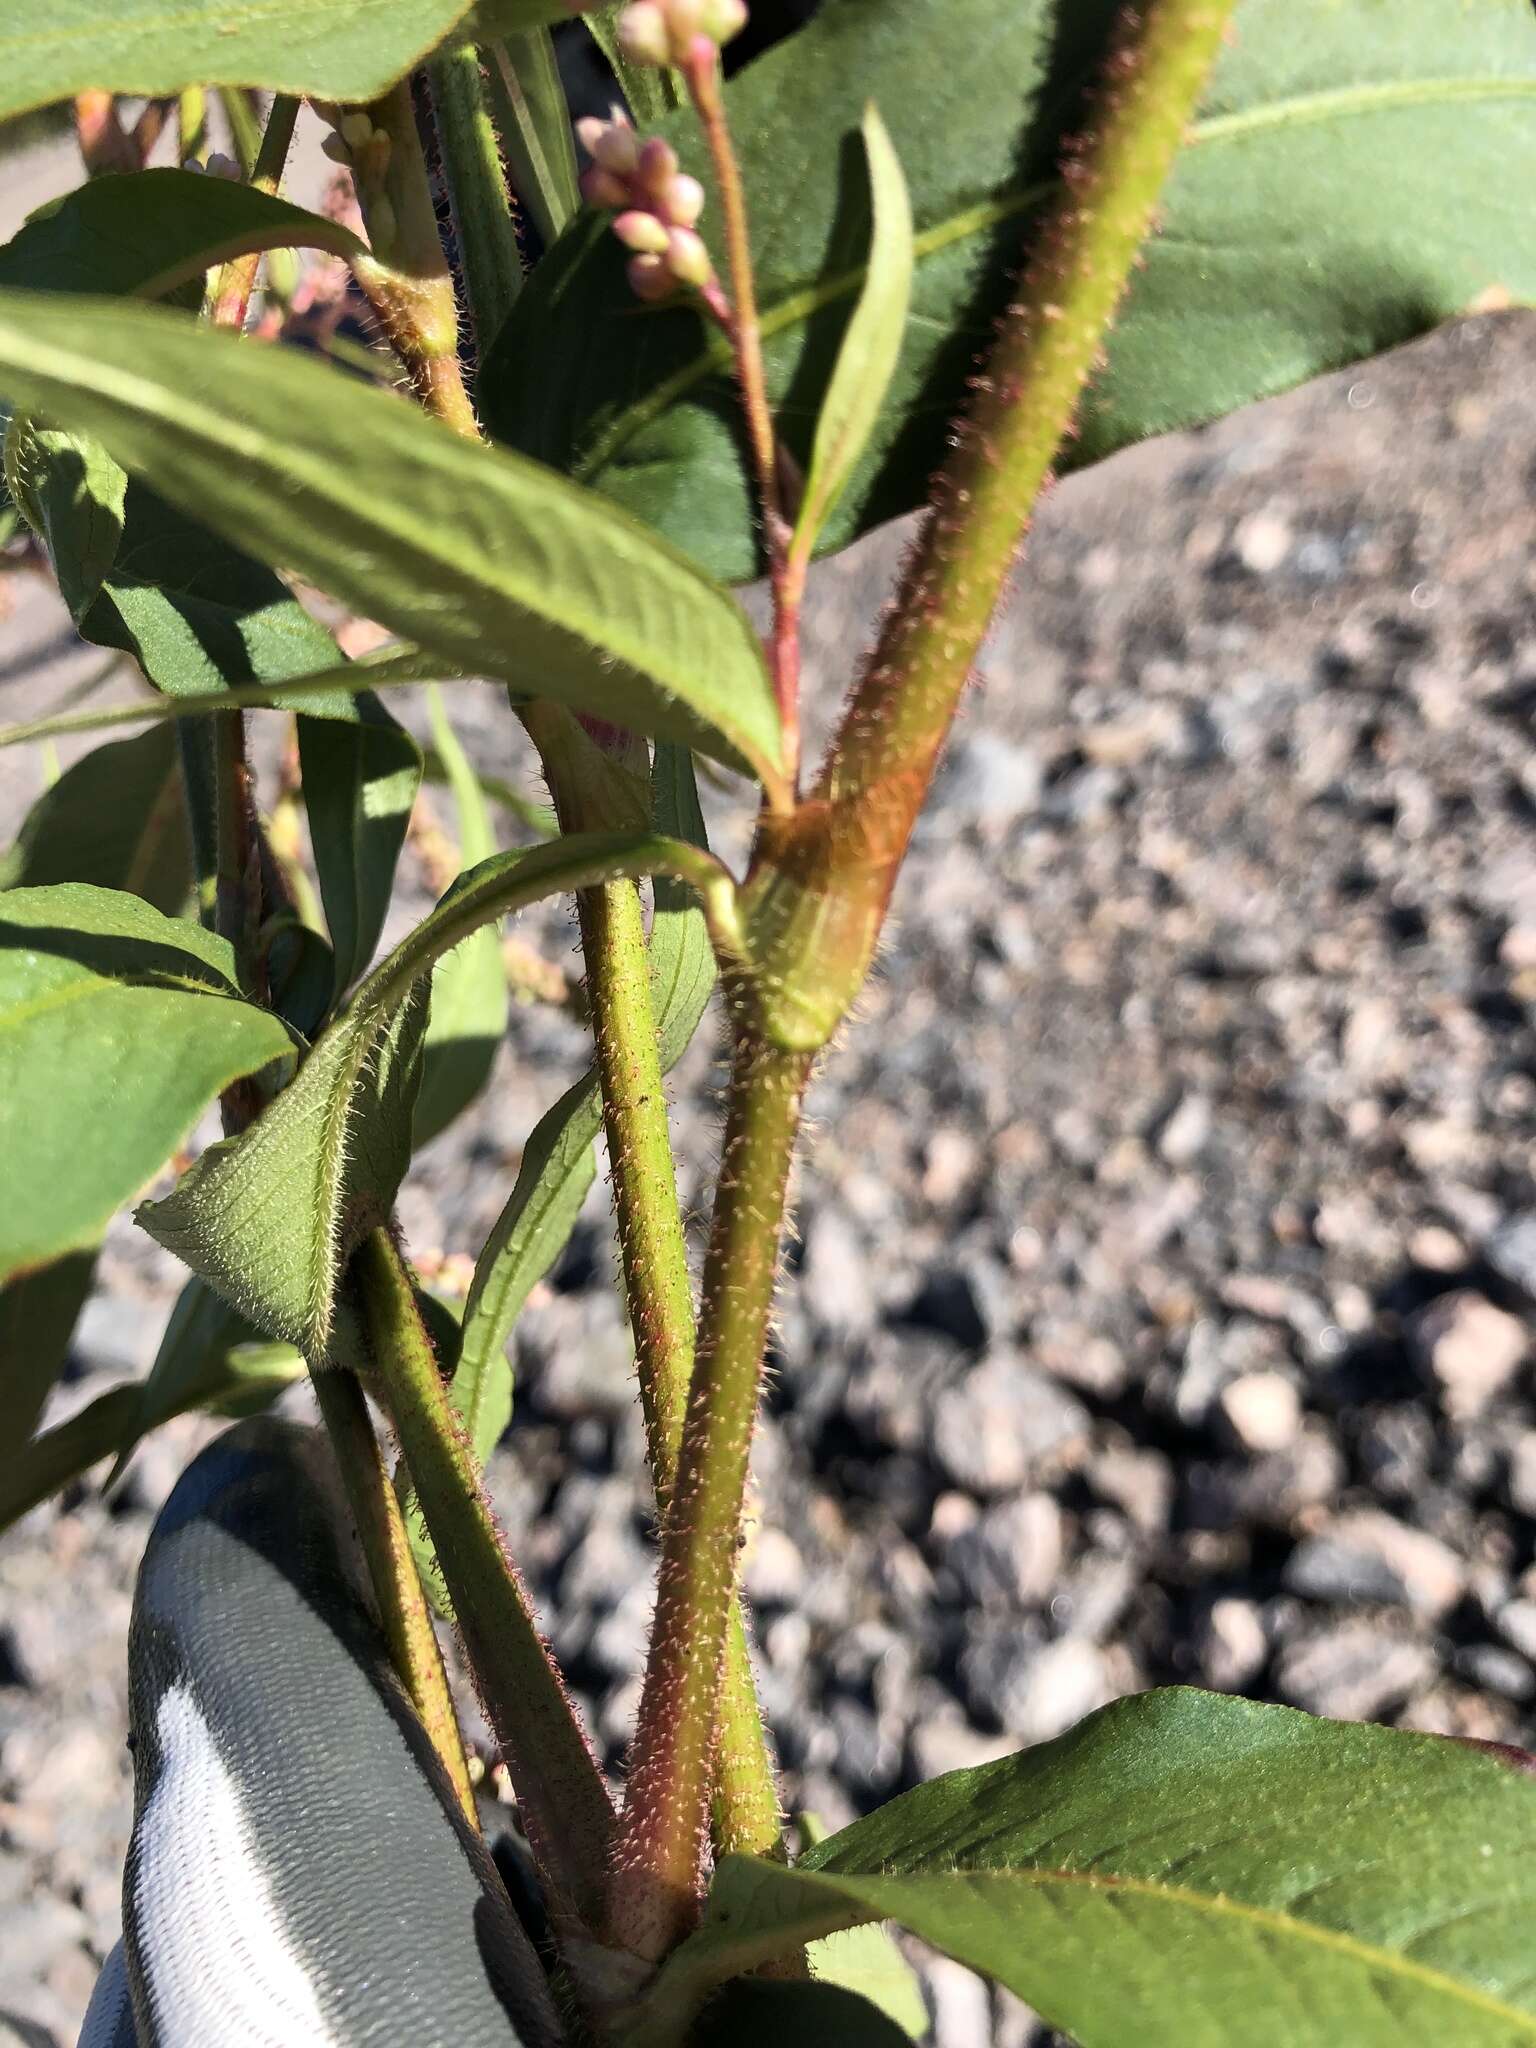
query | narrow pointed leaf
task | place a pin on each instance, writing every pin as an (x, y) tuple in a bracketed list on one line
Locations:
[(115, 818), (1185, 1871), (327, 49), (268, 1218), (117, 1027), (144, 232), (871, 347), (470, 1000), (38, 1313), (534, 122), (361, 774), (483, 558), (1358, 173), (558, 1164)]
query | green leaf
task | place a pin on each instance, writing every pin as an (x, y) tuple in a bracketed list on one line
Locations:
[(145, 232), (481, 557), (558, 1165), (117, 1027), (469, 987), (867, 1960), (534, 123), (361, 773), (268, 1218), (326, 49), (1185, 1871), (1358, 173), (871, 346), (115, 818), (650, 93), (760, 2013), (38, 1313)]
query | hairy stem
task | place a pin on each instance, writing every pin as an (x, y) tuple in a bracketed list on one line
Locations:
[(658, 1855), (391, 1568), (477, 192), (231, 295), (564, 1803)]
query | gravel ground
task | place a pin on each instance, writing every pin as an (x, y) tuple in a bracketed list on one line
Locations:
[(1165, 1282)]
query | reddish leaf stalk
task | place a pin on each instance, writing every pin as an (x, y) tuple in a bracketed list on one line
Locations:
[(237, 280)]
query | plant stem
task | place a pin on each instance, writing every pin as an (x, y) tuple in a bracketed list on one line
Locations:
[(391, 1568), (565, 1805), (232, 290), (657, 1859), (740, 318), (821, 880), (477, 192)]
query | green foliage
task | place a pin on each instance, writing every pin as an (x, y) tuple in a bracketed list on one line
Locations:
[(1357, 175), (114, 818), (333, 49), (155, 1029), (483, 558), (1191, 1870), (38, 1313), (361, 773)]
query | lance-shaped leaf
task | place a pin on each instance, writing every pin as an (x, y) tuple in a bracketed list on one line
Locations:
[(470, 1000), (484, 558), (327, 49), (558, 1164), (1183, 1870), (1357, 174), (361, 774), (267, 1218), (117, 1027), (114, 818), (38, 1313), (866, 361), (147, 231)]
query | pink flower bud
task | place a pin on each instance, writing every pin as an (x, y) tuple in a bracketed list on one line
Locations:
[(683, 201), (602, 188), (649, 277), (687, 257), (642, 232), (656, 167), (612, 145), (722, 19), (642, 33)]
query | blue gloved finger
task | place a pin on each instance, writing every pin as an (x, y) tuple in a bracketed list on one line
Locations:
[(299, 1874)]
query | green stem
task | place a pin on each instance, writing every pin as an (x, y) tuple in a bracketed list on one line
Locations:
[(535, 125), (396, 1583), (654, 1896), (231, 296), (477, 191), (564, 1803)]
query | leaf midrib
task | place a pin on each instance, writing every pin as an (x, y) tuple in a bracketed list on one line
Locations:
[(799, 306), (15, 1015), (1391, 1961)]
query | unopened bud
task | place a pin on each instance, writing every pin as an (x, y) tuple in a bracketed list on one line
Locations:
[(381, 226), (687, 257), (722, 19), (642, 232), (612, 145), (356, 129), (683, 201), (655, 168), (642, 33), (602, 188), (649, 277)]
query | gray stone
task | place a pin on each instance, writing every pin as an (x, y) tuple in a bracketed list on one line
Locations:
[(1369, 1556), (1355, 1672), (1470, 1348), (1001, 1422), (1232, 1645), (1511, 1251)]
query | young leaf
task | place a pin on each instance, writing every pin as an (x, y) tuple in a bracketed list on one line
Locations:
[(144, 232), (326, 49), (117, 1027), (114, 818), (361, 773), (1357, 174), (38, 1313), (558, 1165), (469, 987), (267, 1218), (1183, 1870), (483, 558), (866, 361)]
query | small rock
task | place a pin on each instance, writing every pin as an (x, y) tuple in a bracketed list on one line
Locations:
[(1051, 1688), (1511, 1251), (1262, 1410), (1520, 1481), (1187, 1132), (1139, 1483), (1517, 1625), (1354, 1672), (1437, 1249), (1262, 541), (1011, 1554), (1491, 1668), (962, 2009), (946, 1743), (1003, 1419), (834, 1278), (1470, 1348), (1371, 1556), (1232, 1645), (774, 1572)]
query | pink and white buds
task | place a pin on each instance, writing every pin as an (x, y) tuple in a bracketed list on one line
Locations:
[(662, 32), (687, 258), (612, 145), (656, 204), (642, 232)]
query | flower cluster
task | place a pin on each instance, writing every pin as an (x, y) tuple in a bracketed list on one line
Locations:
[(656, 205), (669, 31)]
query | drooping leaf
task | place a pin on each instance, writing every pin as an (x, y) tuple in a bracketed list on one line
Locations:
[(144, 232), (361, 774), (114, 818), (117, 1027), (326, 49), (1183, 1870), (38, 1313), (484, 558), (1357, 174), (469, 986), (558, 1164), (268, 1217), (871, 346)]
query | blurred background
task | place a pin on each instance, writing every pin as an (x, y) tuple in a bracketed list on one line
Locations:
[(1165, 1284)]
